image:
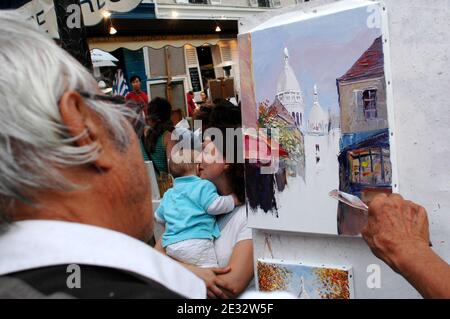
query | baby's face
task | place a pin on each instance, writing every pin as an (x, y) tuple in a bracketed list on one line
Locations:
[(212, 165), (185, 163)]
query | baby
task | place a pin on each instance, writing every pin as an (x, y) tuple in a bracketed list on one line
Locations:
[(187, 210)]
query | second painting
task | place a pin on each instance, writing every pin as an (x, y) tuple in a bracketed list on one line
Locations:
[(305, 281), (320, 83)]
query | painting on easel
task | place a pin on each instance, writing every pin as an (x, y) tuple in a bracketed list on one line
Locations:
[(319, 105)]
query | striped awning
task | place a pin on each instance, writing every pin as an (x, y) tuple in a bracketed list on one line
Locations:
[(156, 42)]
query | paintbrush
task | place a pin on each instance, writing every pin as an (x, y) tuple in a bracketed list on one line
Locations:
[(349, 199), (353, 201)]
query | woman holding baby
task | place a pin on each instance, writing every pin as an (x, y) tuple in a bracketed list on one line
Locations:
[(234, 246)]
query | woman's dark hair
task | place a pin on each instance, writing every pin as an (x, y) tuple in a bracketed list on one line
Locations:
[(203, 115), (160, 112), (226, 115)]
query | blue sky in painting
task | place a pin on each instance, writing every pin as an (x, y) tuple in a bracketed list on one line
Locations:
[(312, 284), (321, 50)]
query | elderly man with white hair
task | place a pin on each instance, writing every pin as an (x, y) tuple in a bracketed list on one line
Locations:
[(75, 202)]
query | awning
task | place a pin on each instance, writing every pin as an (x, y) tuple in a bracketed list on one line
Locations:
[(155, 42), (134, 34), (261, 147)]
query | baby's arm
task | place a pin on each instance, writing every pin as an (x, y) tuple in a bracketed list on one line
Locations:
[(222, 205), (159, 215)]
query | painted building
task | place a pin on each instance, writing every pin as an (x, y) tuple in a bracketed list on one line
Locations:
[(318, 127), (362, 92), (290, 94), (364, 161), (319, 119)]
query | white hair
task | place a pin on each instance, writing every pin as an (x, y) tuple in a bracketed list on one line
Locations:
[(34, 143)]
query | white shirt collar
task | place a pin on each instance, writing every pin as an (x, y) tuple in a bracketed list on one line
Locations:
[(40, 243)]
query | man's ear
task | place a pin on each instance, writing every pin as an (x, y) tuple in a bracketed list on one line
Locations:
[(80, 122)]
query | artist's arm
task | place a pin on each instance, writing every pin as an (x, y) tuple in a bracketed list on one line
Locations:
[(241, 273), (397, 232)]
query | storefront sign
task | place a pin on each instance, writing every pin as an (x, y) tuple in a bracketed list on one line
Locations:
[(43, 12)]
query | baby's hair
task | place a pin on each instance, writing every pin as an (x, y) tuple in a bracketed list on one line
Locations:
[(184, 163)]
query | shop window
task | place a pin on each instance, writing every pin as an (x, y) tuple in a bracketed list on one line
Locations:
[(370, 166)]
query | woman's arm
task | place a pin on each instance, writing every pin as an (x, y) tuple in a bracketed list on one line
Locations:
[(216, 286), (159, 247), (208, 275), (241, 264)]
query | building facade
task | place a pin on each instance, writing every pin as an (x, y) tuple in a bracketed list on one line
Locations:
[(362, 93), (177, 46)]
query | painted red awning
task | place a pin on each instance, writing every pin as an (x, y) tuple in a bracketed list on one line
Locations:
[(262, 148)]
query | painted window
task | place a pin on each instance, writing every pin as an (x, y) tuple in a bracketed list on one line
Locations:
[(370, 166), (370, 104)]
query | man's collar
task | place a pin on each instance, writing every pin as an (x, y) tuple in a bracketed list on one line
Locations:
[(41, 243)]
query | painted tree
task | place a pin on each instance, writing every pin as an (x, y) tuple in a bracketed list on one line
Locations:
[(335, 283), (272, 277)]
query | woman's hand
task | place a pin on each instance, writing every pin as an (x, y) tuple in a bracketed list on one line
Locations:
[(159, 247), (236, 200), (216, 286)]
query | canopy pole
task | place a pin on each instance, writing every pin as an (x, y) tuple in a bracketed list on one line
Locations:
[(169, 89)]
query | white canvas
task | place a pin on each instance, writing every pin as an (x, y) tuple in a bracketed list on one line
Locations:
[(323, 79)]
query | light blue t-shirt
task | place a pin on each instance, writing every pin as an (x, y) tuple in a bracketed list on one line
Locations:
[(184, 210)]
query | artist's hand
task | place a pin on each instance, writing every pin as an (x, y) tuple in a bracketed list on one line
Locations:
[(396, 229), (216, 286)]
